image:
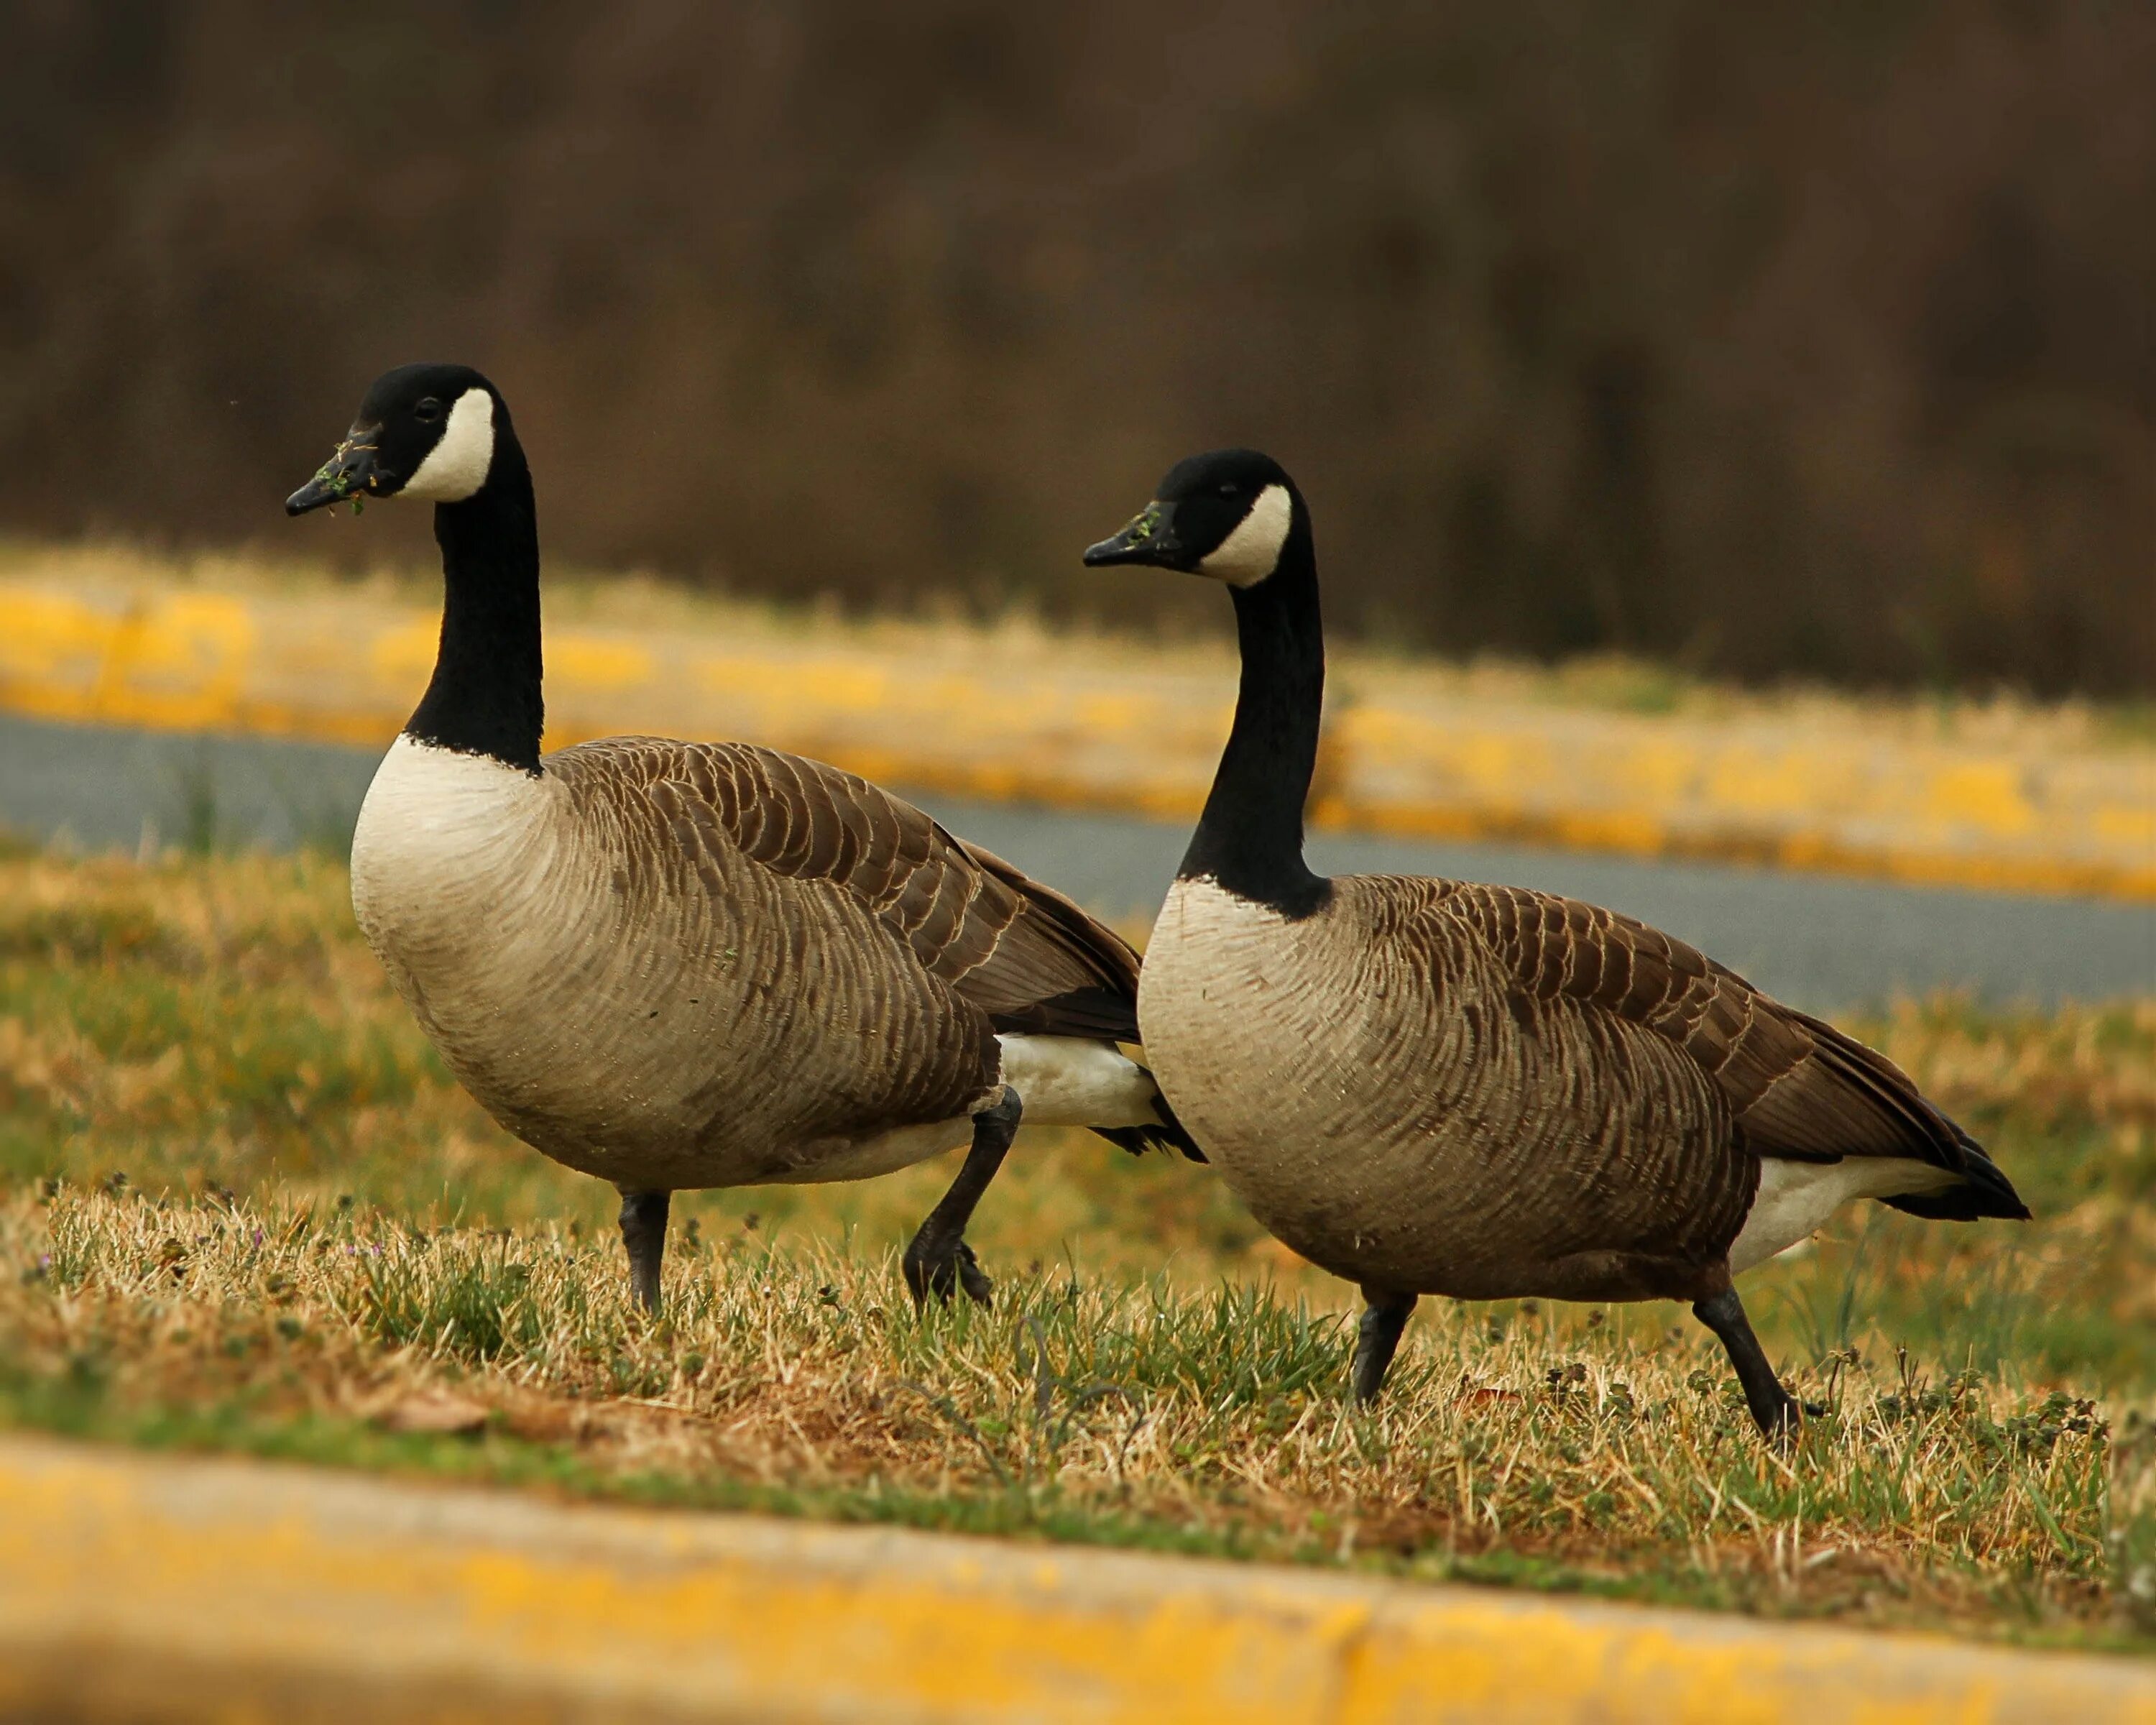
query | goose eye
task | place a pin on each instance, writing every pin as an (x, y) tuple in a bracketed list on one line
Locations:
[(428, 412), (1228, 488)]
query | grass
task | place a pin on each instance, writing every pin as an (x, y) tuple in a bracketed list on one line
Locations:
[(243, 1206)]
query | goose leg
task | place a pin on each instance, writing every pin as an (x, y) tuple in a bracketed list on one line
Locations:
[(1772, 1406), (1376, 1337), (644, 1232), (938, 1259)]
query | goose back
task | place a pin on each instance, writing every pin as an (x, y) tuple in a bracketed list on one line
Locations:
[(1798, 1088)]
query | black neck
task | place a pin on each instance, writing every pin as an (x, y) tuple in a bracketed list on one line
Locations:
[(484, 698), (1249, 837)]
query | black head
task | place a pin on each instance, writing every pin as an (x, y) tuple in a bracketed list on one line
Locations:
[(1227, 514), (426, 431)]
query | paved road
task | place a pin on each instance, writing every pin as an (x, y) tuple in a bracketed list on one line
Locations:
[(1820, 941)]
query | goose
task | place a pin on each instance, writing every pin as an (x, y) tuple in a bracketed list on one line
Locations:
[(1430, 1086), (681, 965)]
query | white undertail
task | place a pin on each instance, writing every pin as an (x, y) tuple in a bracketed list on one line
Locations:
[(1069, 1080), (1796, 1198)]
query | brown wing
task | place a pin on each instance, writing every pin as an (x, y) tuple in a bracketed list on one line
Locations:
[(1095, 969), (1799, 1088), (1024, 954)]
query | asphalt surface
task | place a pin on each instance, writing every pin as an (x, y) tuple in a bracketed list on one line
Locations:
[(1819, 942)]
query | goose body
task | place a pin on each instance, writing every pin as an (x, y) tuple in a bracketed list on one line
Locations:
[(1433, 1086), (1412, 1042), (715, 917), (675, 965)]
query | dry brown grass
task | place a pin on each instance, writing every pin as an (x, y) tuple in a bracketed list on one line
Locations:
[(1510, 1446), (315, 1244)]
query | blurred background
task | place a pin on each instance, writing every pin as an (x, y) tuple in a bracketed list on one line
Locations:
[(1808, 341), (1729, 429)]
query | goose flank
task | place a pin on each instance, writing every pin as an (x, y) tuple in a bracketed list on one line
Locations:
[(675, 965), (1431, 1086)]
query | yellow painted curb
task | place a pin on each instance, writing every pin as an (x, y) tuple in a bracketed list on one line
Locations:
[(135, 1586), (1138, 734)]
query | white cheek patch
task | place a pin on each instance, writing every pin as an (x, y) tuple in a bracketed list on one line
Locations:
[(456, 466), (1252, 552)]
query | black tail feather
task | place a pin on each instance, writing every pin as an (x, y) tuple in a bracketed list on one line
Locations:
[(1985, 1191), (1138, 1139), (1169, 1135), (1105, 1013)]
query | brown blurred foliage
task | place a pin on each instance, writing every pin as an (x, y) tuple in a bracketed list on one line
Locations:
[(1777, 339)]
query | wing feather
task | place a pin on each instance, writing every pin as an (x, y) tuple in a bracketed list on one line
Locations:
[(1027, 957), (1798, 1087)]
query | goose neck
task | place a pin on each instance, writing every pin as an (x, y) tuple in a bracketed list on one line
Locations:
[(485, 697), (1250, 837)]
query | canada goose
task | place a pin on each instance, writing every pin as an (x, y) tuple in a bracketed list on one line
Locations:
[(1431, 1087), (680, 965)]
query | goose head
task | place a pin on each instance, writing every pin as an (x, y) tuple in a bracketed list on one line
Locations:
[(1229, 515), (424, 431)]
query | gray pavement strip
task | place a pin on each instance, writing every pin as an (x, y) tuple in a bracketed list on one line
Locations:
[(1820, 941)]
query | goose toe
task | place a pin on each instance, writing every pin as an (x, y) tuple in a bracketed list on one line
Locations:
[(942, 1271)]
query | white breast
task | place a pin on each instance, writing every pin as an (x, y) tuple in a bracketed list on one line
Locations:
[(1221, 1038), (454, 864), (1208, 947), (438, 829), (1203, 917)]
